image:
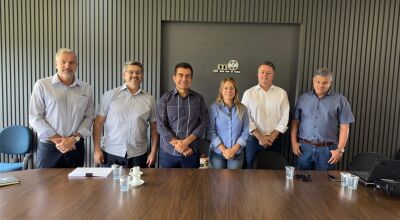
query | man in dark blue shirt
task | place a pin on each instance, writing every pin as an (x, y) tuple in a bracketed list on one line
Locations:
[(320, 126), (182, 119)]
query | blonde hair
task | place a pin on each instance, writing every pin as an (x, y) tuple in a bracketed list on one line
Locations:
[(64, 50), (220, 99)]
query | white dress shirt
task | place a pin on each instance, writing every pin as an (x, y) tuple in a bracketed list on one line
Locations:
[(59, 109), (127, 118), (268, 110)]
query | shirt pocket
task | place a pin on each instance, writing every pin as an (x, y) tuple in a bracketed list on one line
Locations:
[(78, 105)]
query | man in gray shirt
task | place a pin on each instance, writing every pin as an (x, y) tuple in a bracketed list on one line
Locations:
[(61, 111), (125, 113)]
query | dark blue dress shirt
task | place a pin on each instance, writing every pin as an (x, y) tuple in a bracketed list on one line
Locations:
[(320, 118), (179, 117)]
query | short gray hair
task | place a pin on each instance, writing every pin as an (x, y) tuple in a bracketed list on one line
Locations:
[(64, 50), (134, 63), (325, 72)]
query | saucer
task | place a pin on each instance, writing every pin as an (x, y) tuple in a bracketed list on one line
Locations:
[(140, 182)]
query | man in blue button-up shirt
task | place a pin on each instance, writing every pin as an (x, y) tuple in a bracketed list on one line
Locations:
[(321, 123), (181, 121)]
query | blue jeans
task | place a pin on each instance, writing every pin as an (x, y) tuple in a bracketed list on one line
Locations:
[(169, 161), (218, 161), (318, 156), (253, 148)]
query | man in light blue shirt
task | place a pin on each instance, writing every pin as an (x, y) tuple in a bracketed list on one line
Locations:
[(61, 111), (125, 113), (320, 126)]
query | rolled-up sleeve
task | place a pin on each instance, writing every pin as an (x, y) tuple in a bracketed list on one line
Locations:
[(284, 119), (247, 102)]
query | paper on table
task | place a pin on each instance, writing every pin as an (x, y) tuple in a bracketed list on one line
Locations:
[(8, 180), (90, 172)]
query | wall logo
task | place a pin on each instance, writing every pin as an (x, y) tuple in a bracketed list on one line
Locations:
[(231, 67)]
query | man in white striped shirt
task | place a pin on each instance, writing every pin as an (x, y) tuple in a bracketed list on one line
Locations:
[(61, 111)]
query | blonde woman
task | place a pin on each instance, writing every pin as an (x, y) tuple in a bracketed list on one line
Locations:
[(229, 127)]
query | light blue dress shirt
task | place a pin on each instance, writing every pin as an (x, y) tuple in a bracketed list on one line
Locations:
[(320, 118), (226, 127), (59, 109), (127, 118)]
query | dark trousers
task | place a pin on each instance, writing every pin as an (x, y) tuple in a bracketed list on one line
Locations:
[(170, 161), (110, 159), (253, 148), (48, 156)]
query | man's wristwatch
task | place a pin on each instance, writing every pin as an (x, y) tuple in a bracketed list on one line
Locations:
[(341, 150), (77, 138)]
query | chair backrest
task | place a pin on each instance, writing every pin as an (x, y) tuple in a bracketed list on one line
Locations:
[(15, 140), (269, 160), (204, 146), (364, 161)]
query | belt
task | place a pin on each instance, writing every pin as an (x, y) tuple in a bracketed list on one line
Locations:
[(316, 144)]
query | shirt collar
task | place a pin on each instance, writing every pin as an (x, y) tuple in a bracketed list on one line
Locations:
[(312, 92), (258, 87), (175, 92), (56, 80), (124, 87)]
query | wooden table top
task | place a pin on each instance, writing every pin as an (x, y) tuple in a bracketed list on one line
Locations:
[(191, 194)]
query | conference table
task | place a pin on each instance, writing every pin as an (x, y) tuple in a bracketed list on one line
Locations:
[(191, 194)]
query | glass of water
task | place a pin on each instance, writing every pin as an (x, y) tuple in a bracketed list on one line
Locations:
[(124, 183), (289, 172), (345, 177), (117, 171), (353, 182)]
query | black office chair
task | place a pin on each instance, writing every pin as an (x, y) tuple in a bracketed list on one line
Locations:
[(204, 146), (269, 160), (15, 140), (364, 161)]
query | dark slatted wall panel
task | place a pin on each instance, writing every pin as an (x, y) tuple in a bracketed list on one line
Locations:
[(358, 39)]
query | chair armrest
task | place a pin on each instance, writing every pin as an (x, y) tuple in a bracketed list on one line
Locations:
[(14, 159), (25, 162)]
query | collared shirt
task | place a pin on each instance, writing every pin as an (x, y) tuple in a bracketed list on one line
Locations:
[(127, 118), (320, 118), (59, 109), (269, 110), (227, 127), (179, 117)]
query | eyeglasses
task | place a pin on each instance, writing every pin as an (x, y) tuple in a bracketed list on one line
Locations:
[(132, 72)]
